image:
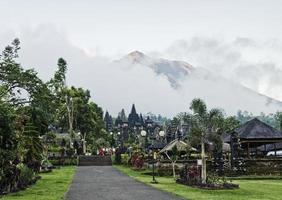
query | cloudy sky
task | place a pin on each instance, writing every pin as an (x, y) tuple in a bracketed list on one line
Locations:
[(112, 27), (240, 40)]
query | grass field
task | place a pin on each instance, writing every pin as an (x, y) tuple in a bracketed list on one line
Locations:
[(249, 189), (52, 186)]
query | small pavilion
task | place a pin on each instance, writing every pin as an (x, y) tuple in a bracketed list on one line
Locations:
[(254, 134), (181, 146)]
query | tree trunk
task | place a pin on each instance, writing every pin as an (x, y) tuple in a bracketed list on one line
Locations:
[(84, 143), (70, 133), (204, 167), (69, 104), (173, 164), (173, 169)]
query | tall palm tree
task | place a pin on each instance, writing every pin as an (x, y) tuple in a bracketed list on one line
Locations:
[(205, 122)]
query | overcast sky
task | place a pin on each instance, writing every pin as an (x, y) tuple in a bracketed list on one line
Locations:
[(112, 27), (240, 40)]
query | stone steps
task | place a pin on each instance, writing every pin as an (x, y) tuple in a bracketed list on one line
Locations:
[(94, 161)]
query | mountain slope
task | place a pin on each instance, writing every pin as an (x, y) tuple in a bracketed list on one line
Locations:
[(174, 71), (191, 82)]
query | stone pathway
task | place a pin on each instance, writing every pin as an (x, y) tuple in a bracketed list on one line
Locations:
[(107, 183)]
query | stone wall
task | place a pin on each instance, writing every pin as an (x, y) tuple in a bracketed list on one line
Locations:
[(270, 166), (164, 167), (264, 166)]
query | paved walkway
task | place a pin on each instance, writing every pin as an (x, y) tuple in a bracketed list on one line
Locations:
[(107, 183)]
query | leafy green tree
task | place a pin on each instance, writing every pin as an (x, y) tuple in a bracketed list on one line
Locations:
[(173, 158), (8, 143), (205, 122), (85, 115), (75, 111), (58, 83), (63, 99), (49, 139), (15, 80), (28, 106), (30, 145)]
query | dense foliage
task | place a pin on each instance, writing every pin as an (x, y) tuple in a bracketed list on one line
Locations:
[(33, 113)]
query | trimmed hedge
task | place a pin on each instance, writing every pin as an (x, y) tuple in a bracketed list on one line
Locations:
[(66, 162)]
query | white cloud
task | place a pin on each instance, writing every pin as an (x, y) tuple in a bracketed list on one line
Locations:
[(253, 64), (112, 86), (115, 86)]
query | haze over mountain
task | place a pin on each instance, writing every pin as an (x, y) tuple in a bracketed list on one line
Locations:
[(227, 52), (175, 71), (161, 86), (194, 82)]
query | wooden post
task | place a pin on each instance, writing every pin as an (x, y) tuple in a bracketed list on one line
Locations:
[(203, 156), (248, 149), (229, 159), (275, 149)]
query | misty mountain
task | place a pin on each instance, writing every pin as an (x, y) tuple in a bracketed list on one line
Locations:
[(191, 82), (174, 71), (165, 90)]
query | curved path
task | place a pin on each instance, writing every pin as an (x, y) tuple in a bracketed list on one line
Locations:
[(107, 183)]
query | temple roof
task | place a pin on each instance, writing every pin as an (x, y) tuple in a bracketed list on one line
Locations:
[(255, 130), (181, 146)]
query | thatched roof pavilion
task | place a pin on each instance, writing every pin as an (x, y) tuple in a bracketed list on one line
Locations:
[(181, 146), (255, 133)]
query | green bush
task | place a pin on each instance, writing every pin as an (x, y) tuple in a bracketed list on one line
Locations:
[(124, 159), (72, 161), (113, 158), (67, 161), (70, 152), (54, 149), (46, 166), (27, 176), (167, 170), (117, 157)]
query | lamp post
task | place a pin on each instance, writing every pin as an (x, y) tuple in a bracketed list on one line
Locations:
[(154, 181), (143, 133), (161, 134), (118, 137), (123, 129), (135, 130), (112, 139)]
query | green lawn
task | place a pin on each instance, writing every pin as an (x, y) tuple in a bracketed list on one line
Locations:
[(249, 189), (52, 186)]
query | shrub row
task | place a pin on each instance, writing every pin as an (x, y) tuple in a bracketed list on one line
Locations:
[(19, 178), (66, 161)]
